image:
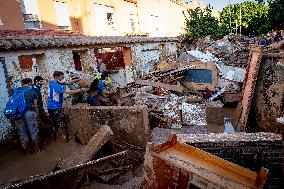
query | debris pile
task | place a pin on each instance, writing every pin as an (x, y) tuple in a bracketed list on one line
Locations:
[(232, 50), (186, 98)]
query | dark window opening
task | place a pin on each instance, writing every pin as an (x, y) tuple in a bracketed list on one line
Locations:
[(113, 58), (110, 19), (192, 186), (77, 61), (26, 62)]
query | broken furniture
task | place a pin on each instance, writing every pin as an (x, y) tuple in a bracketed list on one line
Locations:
[(268, 101), (177, 165), (201, 75), (161, 85), (232, 97)]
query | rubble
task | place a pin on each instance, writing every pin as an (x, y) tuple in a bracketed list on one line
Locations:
[(190, 100), (161, 85)]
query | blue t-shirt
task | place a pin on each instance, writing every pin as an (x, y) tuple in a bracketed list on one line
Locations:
[(39, 96), (101, 85), (30, 96), (55, 95), (93, 99)]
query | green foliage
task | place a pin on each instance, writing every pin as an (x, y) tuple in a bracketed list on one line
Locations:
[(276, 14), (253, 17), (201, 23)]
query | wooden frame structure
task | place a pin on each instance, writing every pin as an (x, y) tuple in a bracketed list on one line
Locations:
[(177, 165)]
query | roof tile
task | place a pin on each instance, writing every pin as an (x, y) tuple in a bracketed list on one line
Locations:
[(49, 38)]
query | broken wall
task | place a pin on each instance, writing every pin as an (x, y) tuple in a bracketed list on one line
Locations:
[(129, 123), (141, 60), (146, 56), (268, 99), (45, 62)]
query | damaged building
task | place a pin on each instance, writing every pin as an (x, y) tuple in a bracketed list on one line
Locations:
[(29, 54), (183, 117)]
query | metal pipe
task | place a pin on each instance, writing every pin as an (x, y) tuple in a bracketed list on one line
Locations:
[(230, 16)]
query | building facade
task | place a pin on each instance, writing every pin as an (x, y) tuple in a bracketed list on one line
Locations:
[(98, 17), (32, 53)]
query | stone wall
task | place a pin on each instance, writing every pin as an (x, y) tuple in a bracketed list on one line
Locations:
[(45, 63), (146, 56)]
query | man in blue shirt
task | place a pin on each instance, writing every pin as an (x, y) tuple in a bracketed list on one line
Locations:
[(27, 126), (56, 90)]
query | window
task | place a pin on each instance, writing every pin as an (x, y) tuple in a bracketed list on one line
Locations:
[(109, 19), (132, 23), (109, 16), (113, 58), (104, 17), (155, 23), (26, 62), (77, 61), (62, 15), (30, 13)]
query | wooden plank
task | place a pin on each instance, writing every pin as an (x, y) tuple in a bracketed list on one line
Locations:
[(203, 169), (88, 152), (63, 179), (177, 88), (249, 86)]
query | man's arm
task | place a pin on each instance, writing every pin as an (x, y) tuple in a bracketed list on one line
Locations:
[(71, 81), (75, 91), (36, 107)]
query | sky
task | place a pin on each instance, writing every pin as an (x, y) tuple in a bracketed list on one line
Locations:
[(220, 4)]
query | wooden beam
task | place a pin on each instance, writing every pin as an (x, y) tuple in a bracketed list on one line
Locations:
[(94, 145), (63, 179), (177, 88), (243, 109)]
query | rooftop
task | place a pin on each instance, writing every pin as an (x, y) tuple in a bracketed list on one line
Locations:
[(31, 39)]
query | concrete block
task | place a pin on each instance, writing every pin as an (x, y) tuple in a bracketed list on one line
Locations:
[(87, 153), (129, 124), (215, 115)]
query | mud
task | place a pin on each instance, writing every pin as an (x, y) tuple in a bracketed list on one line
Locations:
[(15, 165)]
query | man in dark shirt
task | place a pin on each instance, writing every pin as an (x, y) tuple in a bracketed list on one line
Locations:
[(27, 125), (38, 82), (44, 122)]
